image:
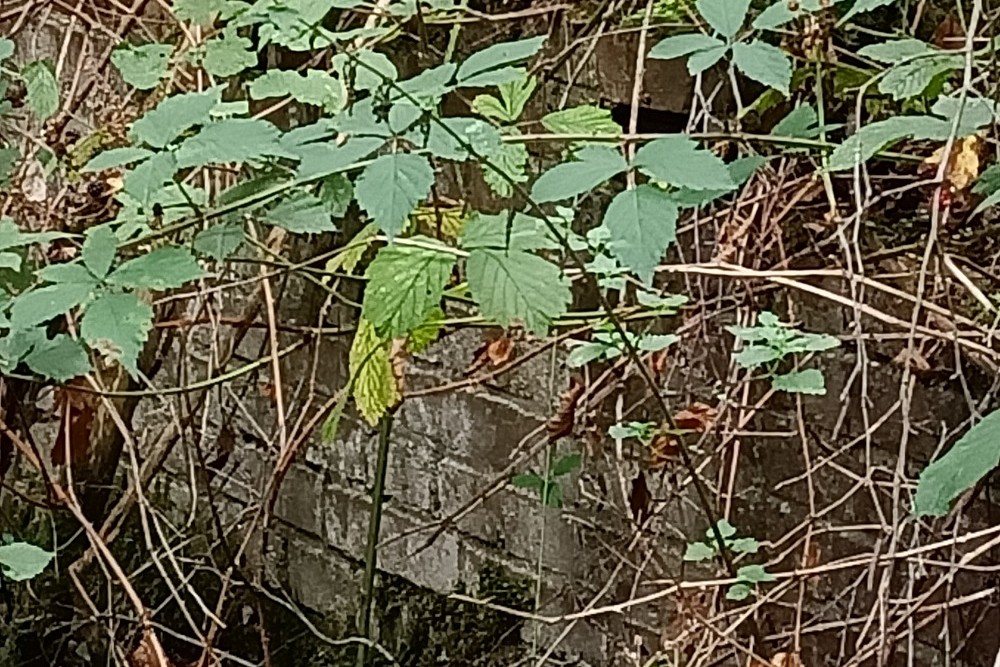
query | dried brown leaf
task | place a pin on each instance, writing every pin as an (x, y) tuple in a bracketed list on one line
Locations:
[(663, 450), (563, 421), (76, 411), (963, 163), (697, 417)]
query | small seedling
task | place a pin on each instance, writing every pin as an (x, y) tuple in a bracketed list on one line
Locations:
[(748, 575), (549, 489)]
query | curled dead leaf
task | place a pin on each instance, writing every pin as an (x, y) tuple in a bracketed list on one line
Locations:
[(949, 34), (563, 421), (913, 359), (786, 659), (663, 449), (963, 163), (697, 417), (493, 353)]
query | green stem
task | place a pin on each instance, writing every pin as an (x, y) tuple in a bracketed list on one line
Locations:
[(374, 523)]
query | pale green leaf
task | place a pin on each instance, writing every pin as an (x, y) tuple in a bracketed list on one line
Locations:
[(228, 54), (726, 529), (514, 95), (21, 561), (59, 359), (375, 388), (232, 140), (585, 119), (160, 269), (428, 332), (43, 304), (143, 66), (147, 180), (515, 285), (702, 60), (684, 45), (809, 381), (99, 250), (800, 123), (642, 223), (391, 187), (725, 16), (74, 273), (6, 48), (594, 165), (745, 545), (764, 63), (477, 68), (862, 6), (506, 165), (404, 282), (874, 137), (41, 88), (118, 325), (116, 157), (754, 574), (697, 552), (503, 232), (328, 158), (756, 355), (428, 87), (301, 213), (10, 260), (454, 138), (970, 459), (175, 115), (315, 87), (219, 241), (199, 11), (677, 160), (738, 592), (912, 78), (896, 51)]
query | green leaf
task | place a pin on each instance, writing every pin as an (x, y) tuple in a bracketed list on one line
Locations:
[(372, 70), (745, 545), (862, 6), (697, 552), (503, 232), (679, 46), (725, 528), (514, 95), (809, 381), (21, 561), (163, 268), (428, 87), (232, 140), (99, 250), (472, 134), (60, 359), (6, 48), (566, 465), (116, 157), (677, 161), (584, 119), (41, 88), (199, 11), (754, 574), (738, 592), (725, 16), (764, 63), (756, 355), (219, 241), (391, 187), (146, 182), (480, 69), (375, 388), (228, 54), (143, 66), (175, 115), (328, 158), (302, 213), (642, 223), (896, 51), (507, 165), (41, 305), (428, 332), (68, 273), (337, 193), (8, 160), (552, 495), (584, 354), (404, 282), (974, 456), (912, 78), (594, 165), (117, 325), (528, 480), (702, 60), (800, 123), (874, 137), (315, 87), (518, 285), (10, 260)]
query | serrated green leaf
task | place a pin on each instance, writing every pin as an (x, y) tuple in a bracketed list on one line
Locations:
[(677, 161), (594, 165), (349, 258), (41, 88), (896, 50), (809, 381), (21, 561), (118, 325), (146, 182), (428, 332), (43, 304), (970, 459), (566, 465), (697, 552), (375, 388), (175, 115), (228, 54), (584, 119), (480, 68), (315, 87), (679, 46), (452, 138), (99, 250), (391, 187), (404, 282), (337, 193), (67, 273), (518, 286), (725, 16), (702, 60), (301, 213), (754, 574), (514, 95), (764, 63), (862, 6), (231, 140), (116, 157), (60, 359), (328, 158), (507, 165), (199, 11), (143, 66), (910, 79), (505, 232), (163, 268), (219, 241), (642, 223)]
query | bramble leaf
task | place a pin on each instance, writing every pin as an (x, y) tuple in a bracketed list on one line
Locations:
[(163, 268), (594, 165), (118, 324), (404, 282), (41, 88), (219, 241), (375, 387), (60, 359), (391, 187), (642, 223), (143, 66)]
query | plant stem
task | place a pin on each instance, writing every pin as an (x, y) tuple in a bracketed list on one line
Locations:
[(374, 523)]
